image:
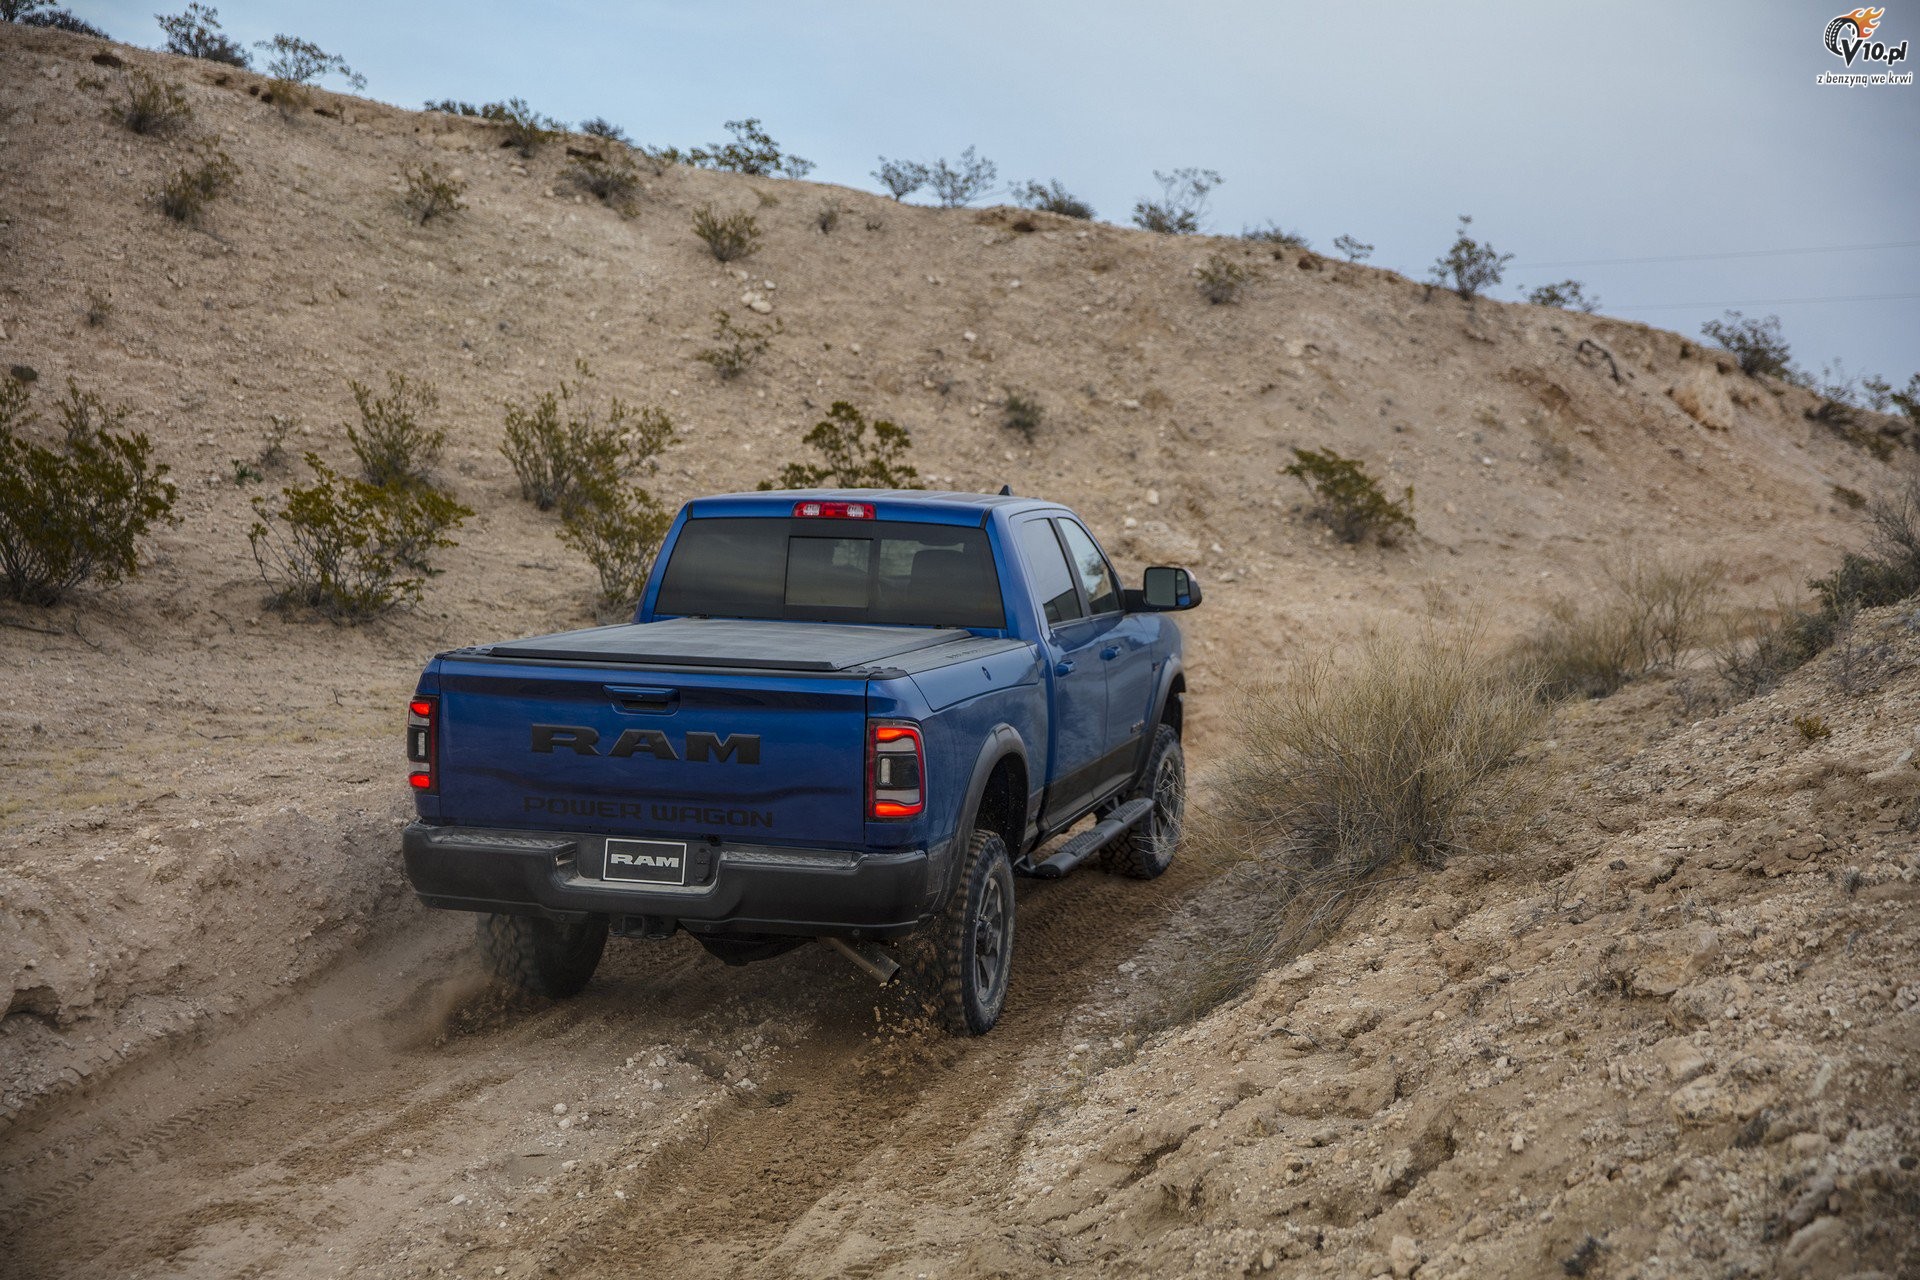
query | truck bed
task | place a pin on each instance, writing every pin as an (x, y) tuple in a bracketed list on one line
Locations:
[(728, 642)]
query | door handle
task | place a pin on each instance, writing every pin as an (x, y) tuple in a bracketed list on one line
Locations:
[(1063, 667), (643, 700), (1111, 652)]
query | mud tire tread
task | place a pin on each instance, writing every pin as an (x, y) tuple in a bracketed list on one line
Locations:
[(1136, 856), (934, 962), (540, 957)]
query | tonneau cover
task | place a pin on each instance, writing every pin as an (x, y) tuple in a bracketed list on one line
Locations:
[(728, 642)]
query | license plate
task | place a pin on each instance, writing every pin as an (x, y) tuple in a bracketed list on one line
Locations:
[(646, 861)]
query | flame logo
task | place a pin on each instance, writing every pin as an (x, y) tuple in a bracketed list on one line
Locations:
[(1863, 22)]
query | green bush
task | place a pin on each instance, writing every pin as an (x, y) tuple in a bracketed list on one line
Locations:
[(560, 446), (1222, 280), (1052, 197), (1758, 345), (1348, 500), (751, 152), (618, 528), (153, 106), (962, 183), (521, 127), (1352, 249), (737, 235), (431, 193), (854, 454), (612, 180), (196, 34), (78, 513), (901, 178), (1567, 295), (36, 13), (348, 549), (1182, 203), (1023, 413), (1469, 267), (1277, 236), (185, 194), (395, 447), (735, 349), (294, 61)]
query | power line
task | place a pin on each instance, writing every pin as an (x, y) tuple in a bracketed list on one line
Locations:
[(1764, 302), (1709, 257)]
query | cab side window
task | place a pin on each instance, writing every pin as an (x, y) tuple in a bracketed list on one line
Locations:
[(1047, 567), (1103, 596)]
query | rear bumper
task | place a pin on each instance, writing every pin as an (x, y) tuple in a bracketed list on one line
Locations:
[(735, 888)]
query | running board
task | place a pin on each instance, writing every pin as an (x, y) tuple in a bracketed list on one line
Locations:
[(1087, 843)]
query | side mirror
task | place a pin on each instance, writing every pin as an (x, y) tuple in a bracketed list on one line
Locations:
[(1166, 589)]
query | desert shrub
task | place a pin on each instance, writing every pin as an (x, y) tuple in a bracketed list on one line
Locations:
[(1469, 267), (611, 180), (1277, 236), (1812, 727), (1758, 345), (601, 127), (854, 454), (752, 152), (395, 446), (1348, 500), (431, 193), (196, 34), (1221, 279), (153, 106), (292, 60), (79, 512), (1052, 197), (35, 13), (187, 191), (1568, 295), (1888, 572), (560, 445), (451, 107), (1400, 755), (1023, 413), (1182, 203), (521, 127), (827, 217), (348, 549), (963, 182), (1352, 249), (735, 348), (901, 178), (618, 528), (737, 235), (1650, 613)]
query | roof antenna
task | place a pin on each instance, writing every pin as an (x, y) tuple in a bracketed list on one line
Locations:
[(1006, 491)]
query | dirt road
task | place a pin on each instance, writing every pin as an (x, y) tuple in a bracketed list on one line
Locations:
[(391, 1121)]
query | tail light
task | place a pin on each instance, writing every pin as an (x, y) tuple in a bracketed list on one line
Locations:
[(834, 510), (896, 770), (423, 743)]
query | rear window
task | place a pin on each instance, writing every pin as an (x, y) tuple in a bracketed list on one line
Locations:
[(880, 571)]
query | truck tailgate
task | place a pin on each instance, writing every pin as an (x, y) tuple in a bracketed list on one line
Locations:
[(635, 750)]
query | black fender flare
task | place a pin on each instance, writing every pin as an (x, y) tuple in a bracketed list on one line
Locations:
[(1003, 740), (1161, 696)]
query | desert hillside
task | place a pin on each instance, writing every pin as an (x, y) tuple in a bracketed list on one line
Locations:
[(201, 796)]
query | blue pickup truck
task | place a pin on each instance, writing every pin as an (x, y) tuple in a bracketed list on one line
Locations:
[(851, 716)]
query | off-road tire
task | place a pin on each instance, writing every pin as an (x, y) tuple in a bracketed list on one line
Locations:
[(540, 957), (1148, 849), (957, 967)]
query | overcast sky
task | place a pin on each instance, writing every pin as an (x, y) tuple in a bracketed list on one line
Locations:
[(1571, 133)]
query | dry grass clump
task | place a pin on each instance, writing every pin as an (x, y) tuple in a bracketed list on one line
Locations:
[(1221, 279), (187, 191), (1393, 756), (735, 347), (1649, 614), (393, 442), (735, 235), (153, 106), (1342, 771), (431, 193)]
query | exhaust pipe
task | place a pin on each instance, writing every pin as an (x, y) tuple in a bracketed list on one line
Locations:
[(867, 958)]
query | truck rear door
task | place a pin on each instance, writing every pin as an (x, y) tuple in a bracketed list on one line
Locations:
[(761, 757)]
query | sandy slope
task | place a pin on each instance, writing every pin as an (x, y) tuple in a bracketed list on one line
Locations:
[(200, 796)]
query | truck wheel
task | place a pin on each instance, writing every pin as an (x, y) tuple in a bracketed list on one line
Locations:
[(960, 962), (540, 956), (1148, 849)]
